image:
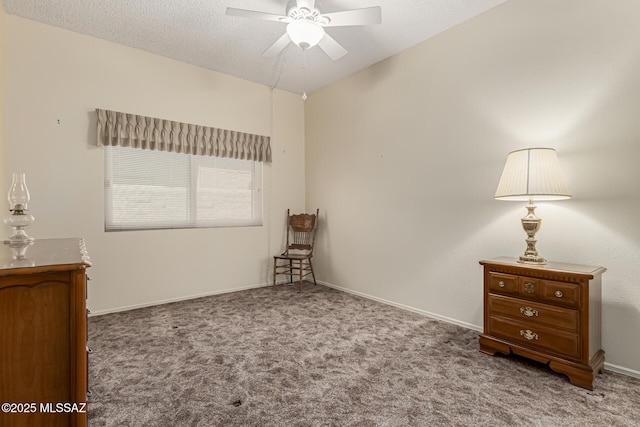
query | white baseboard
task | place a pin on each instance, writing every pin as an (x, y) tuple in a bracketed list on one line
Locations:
[(621, 370), (170, 300), (405, 307), (608, 366)]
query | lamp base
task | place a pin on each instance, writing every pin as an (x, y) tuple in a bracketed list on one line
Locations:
[(531, 224), (19, 238), (19, 241), (530, 259), (19, 220)]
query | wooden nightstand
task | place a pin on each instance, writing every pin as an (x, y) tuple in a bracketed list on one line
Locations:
[(549, 313)]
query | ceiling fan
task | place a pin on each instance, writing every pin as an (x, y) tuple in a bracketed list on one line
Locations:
[(305, 25)]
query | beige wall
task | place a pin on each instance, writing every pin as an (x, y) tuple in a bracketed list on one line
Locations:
[(57, 78), (3, 104), (404, 157)]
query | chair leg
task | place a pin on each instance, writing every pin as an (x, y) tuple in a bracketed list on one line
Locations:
[(300, 288), (275, 266), (290, 271), (312, 274)]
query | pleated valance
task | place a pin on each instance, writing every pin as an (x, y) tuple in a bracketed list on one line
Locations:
[(131, 130)]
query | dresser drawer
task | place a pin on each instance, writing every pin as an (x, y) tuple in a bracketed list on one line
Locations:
[(503, 283), (561, 293), (530, 288), (536, 337), (558, 293), (533, 314)]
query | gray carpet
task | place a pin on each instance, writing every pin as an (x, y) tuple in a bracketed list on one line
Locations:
[(324, 358)]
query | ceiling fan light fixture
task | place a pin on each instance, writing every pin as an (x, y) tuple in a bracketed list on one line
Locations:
[(305, 33)]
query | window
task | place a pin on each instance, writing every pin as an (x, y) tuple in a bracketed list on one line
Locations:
[(147, 189)]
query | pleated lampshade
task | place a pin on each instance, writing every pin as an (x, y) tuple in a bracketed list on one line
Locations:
[(532, 174)]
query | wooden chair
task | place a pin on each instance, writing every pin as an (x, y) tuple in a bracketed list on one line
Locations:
[(301, 235)]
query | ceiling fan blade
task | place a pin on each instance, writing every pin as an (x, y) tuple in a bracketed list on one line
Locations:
[(331, 47), (365, 16), (254, 14), (277, 46)]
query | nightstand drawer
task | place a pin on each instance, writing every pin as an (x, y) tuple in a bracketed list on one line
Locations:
[(561, 293), (536, 337), (530, 288), (503, 283), (534, 314)]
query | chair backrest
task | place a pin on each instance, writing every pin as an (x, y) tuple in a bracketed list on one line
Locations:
[(301, 231)]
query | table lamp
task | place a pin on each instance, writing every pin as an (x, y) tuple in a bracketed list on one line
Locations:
[(532, 174), (19, 219)]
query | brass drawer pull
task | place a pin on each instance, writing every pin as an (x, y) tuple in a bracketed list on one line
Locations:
[(528, 311), (501, 284), (529, 335), (558, 294), (529, 288)]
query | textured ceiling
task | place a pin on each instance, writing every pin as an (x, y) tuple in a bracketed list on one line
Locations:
[(198, 32)]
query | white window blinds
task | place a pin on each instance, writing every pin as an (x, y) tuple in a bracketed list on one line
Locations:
[(158, 190)]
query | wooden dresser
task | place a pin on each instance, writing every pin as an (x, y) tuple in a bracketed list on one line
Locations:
[(548, 313), (43, 334)]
